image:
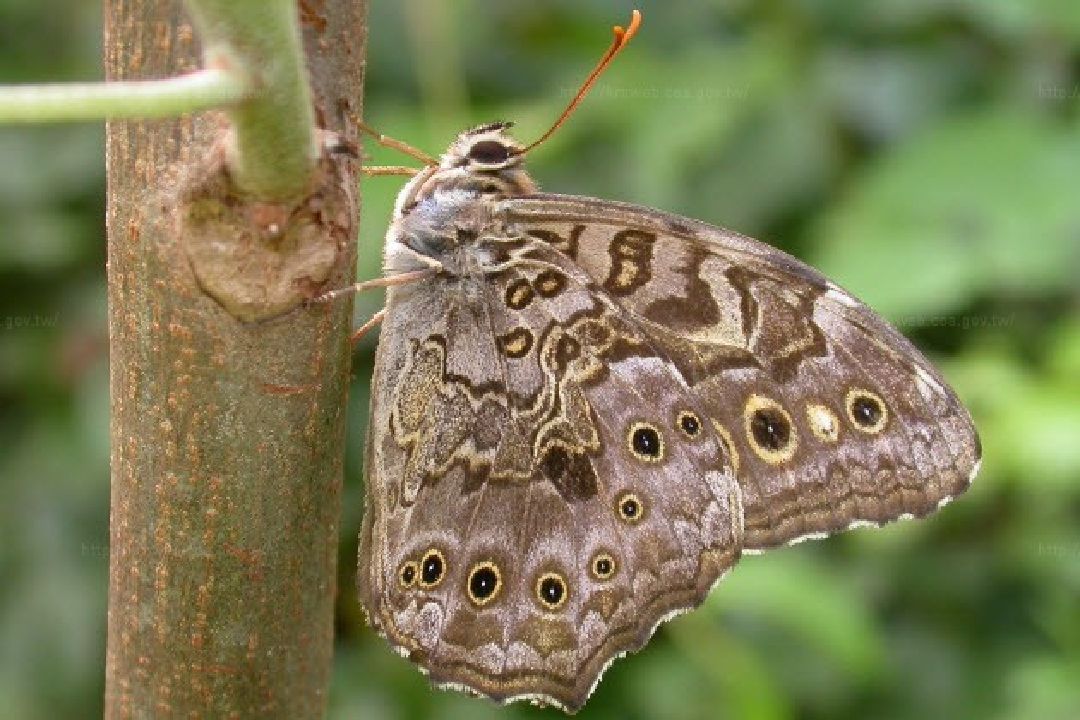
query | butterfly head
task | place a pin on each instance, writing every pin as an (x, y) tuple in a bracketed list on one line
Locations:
[(485, 148), (488, 160)]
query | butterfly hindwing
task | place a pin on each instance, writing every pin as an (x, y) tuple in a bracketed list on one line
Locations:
[(528, 443)]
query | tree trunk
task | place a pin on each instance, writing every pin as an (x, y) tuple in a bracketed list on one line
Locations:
[(227, 436)]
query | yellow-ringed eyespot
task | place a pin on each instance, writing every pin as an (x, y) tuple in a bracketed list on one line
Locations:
[(866, 411), (769, 430), (551, 591), (603, 566), (629, 507), (407, 573), (432, 568), (689, 423), (484, 582), (645, 442)]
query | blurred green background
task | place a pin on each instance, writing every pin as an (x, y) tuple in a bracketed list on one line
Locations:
[(923, 153)]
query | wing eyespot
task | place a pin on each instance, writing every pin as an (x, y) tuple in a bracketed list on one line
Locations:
[(552, 591), (769, 430), (645, 442), (407, 574), (823, 422), (603, 566), (630, 508), (866, 411), (484, 583), (689, 424), (432, 568)]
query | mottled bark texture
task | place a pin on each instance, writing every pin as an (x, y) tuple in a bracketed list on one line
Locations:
[(227, 434)]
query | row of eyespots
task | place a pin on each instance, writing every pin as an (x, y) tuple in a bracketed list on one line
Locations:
[(769, 428), (772, 434), (646, 443), (485, 579), (866, 412), (427, 573)]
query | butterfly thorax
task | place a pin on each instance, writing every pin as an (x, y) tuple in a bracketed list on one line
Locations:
[(442, 213)]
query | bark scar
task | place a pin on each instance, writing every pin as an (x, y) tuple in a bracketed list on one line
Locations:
[(260, 259)]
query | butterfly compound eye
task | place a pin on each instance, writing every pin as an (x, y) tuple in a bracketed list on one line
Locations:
[(489, 152)]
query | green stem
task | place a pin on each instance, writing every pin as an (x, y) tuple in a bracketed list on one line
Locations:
[(275, 148), (117, 100)]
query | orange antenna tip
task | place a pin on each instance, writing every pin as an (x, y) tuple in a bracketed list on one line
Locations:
[(622, 37)]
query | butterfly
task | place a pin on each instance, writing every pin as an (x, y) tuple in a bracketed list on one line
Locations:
[(584, 411)]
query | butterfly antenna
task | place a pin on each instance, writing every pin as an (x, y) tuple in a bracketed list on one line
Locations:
[(622, 37)]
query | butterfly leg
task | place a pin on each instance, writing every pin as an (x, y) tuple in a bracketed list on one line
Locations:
[(389, 142), (388, 281), (373, 170), (367, 327)]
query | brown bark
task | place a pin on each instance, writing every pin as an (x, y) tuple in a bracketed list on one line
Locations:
[(227, 436)]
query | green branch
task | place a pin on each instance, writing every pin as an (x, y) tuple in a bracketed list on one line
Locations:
[(61, 102), (275, 148), (254, 71)]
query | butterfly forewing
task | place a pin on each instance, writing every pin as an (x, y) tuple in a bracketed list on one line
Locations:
[(833, 418)]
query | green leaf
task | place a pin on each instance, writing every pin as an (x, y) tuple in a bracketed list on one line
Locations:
[(790, 590), (976, 207)]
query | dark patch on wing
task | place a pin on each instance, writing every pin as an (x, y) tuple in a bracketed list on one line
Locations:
[(741, 279), (566, 245), (631, 253), (571, 473), (697, 309), (778, 320)]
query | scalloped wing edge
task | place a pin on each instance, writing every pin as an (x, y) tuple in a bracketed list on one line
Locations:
[(542, 699)]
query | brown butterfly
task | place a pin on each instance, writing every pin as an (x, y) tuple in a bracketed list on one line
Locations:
[(584, 411)]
